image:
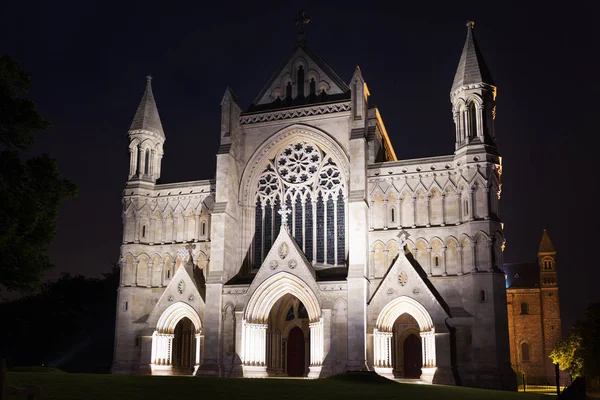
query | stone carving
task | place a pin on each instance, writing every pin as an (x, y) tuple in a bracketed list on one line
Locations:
[(390, 291), (273, 264), (296, 113), (283, 249), (191, 298), (402, 278), (181, 287), (298, 162), (416, 290), (292, 264), (170, 298)]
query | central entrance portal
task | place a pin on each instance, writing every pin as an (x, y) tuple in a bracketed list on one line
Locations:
[(184, 345), (287, 337), (412, 357), (295, 353)]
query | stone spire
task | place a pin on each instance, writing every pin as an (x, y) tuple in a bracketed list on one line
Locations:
[(146, 117), (471, 67), (546, 245)]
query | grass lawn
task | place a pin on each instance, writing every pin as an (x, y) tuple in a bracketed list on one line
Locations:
[(115, 387)]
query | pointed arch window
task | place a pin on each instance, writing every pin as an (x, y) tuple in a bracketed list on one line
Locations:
[(314, 191), (313, 87), (393, 216), (300, 81), (147, 162), (288, 91), (472, 120)]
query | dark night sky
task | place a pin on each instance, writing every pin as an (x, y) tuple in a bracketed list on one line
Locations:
[(88, 61)]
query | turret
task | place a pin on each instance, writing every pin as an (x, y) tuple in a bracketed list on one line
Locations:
[(547, 261), (146, 139), (473, 97)]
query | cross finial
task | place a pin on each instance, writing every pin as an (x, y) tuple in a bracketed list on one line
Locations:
[(284, 216), (302, 20)]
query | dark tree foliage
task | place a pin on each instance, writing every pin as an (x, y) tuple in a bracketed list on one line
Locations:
[(31, 191), (69, 324)]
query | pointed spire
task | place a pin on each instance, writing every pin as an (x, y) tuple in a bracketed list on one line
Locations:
[(146, 116), (546, 245), (471, 67)]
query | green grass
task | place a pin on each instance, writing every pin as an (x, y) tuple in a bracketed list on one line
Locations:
[(115, 387)]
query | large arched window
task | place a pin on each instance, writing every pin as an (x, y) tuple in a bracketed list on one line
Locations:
[(305, 181)]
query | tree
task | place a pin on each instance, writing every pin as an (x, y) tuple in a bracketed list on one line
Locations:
[(31, 191), (567, 353), (579, 351)]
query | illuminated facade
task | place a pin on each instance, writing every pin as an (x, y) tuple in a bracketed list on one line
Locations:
[(534, 323), (314, 250)]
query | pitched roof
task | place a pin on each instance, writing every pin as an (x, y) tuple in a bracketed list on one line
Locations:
[(146, 117), (471, 67), (522, 275), (546, 245), (302, 50)]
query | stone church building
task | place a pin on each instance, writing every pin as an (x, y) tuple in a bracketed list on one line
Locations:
[(534, 323), (314, 250)]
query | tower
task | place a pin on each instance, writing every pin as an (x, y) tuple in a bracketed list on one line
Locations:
[(146, 139), (473, 97)]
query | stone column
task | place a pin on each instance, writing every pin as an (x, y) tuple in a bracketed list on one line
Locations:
[(472, 204), (175, 229), (414, 202), (489, 249), (149, 274), (474, 253), (316, 348), (196, 228), (400, 213), (372, 264), (163, 232), (486, 208), (122, 266), (444, 271), (371, 205), (386, 258), (135, 271), (184, 237), (428, 207), (162, 273), (141, 162), (443, 209), (458, 197), (385, 216), (459, 250), (429, 261), (136, 234)]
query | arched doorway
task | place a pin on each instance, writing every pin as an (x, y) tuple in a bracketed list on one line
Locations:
[(278, 305), (400, 325), (412, 357), (184, 344), (176, 341), (295, 353), (406, 348)]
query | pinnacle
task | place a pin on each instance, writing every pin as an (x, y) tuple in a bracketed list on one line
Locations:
[(146, 117), (471, 67)]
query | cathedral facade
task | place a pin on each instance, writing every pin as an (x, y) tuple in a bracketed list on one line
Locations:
[(314, 250)]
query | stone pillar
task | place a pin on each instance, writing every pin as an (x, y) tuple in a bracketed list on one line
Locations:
[(486, 208), (149, 274), (444, 270), (212, 329), (429, 261), (459, 250), (316, 348), (132, 161), (474, 253), (414, 202), (385, 216), (371, 220), (428, 207), (184, 237), (162, 273), (458, 197), (196, 228), (122, 266), (489, 248), (136, 234), (472, 204), (443, 209), (141, 161), (400, 213), (135, 271), (254, 345), (372, 264)]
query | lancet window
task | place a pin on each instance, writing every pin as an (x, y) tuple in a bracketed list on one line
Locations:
[(310, 186)]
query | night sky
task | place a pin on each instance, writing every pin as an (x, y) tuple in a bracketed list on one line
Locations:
[(88, 61)]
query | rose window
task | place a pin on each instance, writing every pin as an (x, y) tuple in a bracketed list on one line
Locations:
[(298, 162)]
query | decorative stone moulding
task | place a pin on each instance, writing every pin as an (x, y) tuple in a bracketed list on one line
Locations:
[(273, 264), (181, 287), (297, 113), (283, 251), (292, 264), (402, 278)]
